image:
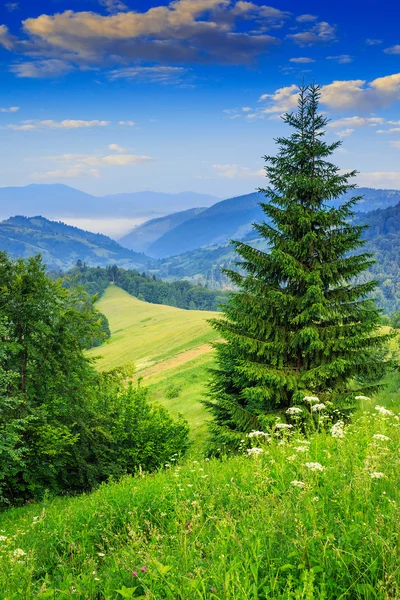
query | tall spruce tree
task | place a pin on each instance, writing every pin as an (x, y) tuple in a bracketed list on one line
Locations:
[(298, 324)]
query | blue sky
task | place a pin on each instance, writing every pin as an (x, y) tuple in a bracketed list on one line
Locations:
[(125, 95)]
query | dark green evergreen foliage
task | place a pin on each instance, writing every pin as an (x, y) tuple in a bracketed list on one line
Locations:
[(181, 294), (298, 324), (63, 426)]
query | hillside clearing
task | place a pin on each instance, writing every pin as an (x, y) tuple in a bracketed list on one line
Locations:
[(171, 349), (148, 334)]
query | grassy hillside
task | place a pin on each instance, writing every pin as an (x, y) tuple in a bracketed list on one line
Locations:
[(303, 520), (169, 346)]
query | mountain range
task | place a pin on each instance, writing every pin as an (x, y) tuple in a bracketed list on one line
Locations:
[(227, 219), (58, 201), (194, 244)]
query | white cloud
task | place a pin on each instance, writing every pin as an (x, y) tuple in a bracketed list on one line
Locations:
[(83, 165), (393, 49), (11, 6), (301, 60), (283, 100), (357, 122), (320, 33), (10, 109), (237, 172), (127, 123), (306, 18), (72, 173), (113, 6), (22, 127), (396, 144), (82, 161), (183, 31), (41, 69), (117, 148), (345, 132), (380, 179), (153, 74), (342, 59), (357, 93), (340, 95), (373, 42), (388, 131), (50, 124), (115, 160)]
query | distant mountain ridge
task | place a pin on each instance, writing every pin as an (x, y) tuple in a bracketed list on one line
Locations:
[(57, 201), (141, 237), (62, 245), (233, 218)]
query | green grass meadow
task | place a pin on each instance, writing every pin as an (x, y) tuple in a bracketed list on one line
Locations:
[(171, 349), (299, 519), (147, 334)]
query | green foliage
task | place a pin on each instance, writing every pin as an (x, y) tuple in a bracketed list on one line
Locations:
[(265, 526), (64, 427), (298, 324), (173, 391)]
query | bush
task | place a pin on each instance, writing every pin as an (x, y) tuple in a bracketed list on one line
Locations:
[(173, 391)]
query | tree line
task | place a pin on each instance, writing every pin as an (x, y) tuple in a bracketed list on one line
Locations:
[(181, 294)]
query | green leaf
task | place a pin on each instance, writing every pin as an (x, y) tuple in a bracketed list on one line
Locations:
[(126, 592)]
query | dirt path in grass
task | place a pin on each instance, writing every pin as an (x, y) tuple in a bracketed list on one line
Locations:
[(175, 361)]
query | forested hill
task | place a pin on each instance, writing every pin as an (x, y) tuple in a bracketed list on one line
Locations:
[(62, 245), (181, 294), (383, 240)]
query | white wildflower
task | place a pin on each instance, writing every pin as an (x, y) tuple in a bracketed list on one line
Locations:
[(381, 437), (294, 410), (362, 398), (383, 411), (299, 484), (254, 434), (318, 407), (378, 475), (19, 552), (311, 399), (314, 466), (301, 449), (337, 430), (283, 426), (254, 451), (100, 554), (3, 538)]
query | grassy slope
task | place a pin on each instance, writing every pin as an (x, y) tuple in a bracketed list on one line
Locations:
[(169, 346), (224, 530), (210, 530)]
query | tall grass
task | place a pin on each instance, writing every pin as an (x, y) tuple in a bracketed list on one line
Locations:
[(273, 525)]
